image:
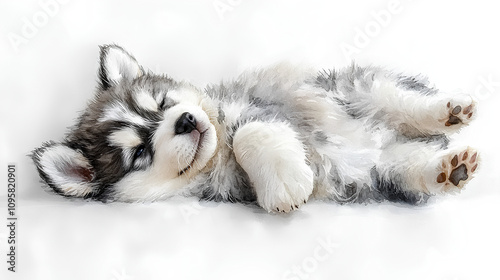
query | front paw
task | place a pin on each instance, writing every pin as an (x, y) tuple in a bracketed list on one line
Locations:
[(275, 161), (287, 190)]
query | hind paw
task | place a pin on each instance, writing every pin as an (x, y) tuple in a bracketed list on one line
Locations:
[(459, 112), (457, 169)]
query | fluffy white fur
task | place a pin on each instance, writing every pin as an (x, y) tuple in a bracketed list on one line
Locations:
[(275, 160)]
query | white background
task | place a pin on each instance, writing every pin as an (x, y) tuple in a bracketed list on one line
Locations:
[(48, 72)]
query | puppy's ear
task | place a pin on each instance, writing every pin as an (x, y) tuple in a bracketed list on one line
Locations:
[(65, 169), (116, 66)]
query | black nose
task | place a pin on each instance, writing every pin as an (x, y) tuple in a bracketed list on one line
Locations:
[(185, 124)]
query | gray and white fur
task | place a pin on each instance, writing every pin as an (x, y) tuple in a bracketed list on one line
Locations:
[(276, 137)]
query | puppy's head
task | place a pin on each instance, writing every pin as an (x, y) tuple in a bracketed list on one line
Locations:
[(142, 137)]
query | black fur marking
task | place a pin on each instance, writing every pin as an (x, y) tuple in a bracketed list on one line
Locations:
[(241, 189), (108, 160), (392, 189), (166, 103), (326, 79), (367, 195), (415, 84), (132, 106), (159, 83), (342, 191), (146, 158), (104, 82), (351, 111), (240, 192), (438, 139)]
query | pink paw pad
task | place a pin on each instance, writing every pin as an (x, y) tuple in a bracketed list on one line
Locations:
[(458, 115), (458, 168)]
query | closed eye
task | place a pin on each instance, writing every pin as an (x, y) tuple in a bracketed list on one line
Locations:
[(162, 104), (166, 103)]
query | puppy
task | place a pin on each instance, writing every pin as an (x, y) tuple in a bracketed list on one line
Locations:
[(275, 137)]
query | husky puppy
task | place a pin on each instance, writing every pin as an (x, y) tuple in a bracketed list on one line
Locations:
[(275, 137)]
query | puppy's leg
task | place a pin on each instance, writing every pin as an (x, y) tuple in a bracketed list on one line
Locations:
[(406, 103), (415, 114), (414, 168), (275, 161)]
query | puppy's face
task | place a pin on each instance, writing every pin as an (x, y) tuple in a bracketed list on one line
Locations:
[(143, 137)]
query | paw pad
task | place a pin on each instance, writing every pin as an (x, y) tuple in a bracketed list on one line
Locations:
[(459, 114), (458, 168)]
